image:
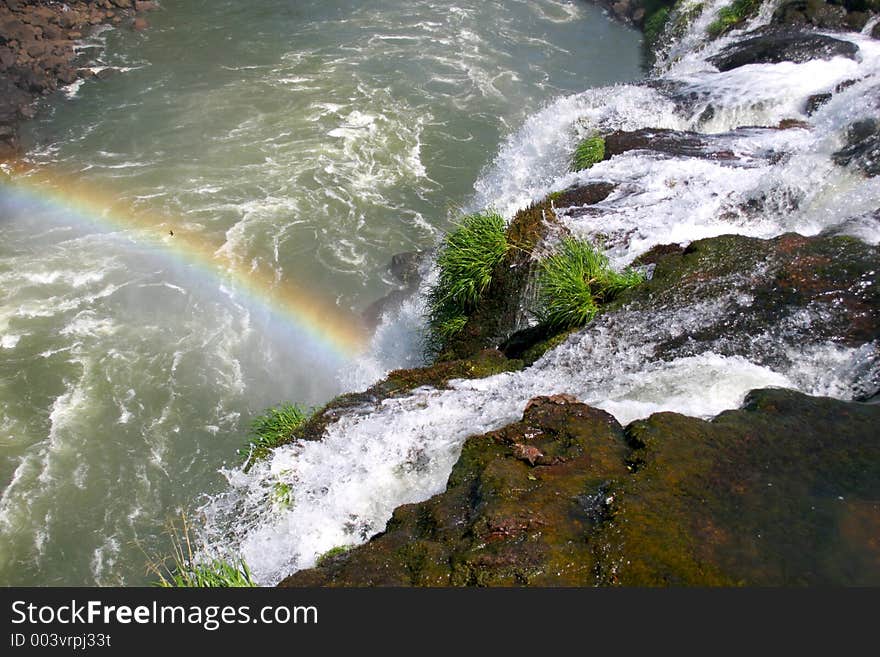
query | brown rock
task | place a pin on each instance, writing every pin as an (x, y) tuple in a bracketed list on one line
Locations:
[(7, 58), (145, 6), (140, 24)]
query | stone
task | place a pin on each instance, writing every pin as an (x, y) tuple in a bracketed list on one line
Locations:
[(774, 46), (139, 24), (783, 492), (862, 149)]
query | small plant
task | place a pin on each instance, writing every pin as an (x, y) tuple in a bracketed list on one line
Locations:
[(732, 15), (588, 152), (466, 259), (282, 495), (271, 429), (332, 552), (576, 280), (216, 573), (188, 571)]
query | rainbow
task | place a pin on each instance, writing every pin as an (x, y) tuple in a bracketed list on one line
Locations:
[(339, 333)]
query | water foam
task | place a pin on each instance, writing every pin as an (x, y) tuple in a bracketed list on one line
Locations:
[(399, 450)]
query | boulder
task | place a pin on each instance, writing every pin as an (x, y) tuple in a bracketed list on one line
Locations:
[(862, 149), (674, 143), (773, 46), (780, 493)]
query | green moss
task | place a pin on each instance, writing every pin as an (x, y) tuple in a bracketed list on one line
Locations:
[(588, 152), (535, 352), (733, 15), (576, 280), (466, 260), (487, 362), (271, 429), (654, 26), (332, 552)]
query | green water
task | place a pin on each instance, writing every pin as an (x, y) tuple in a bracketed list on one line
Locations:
[(314, 138)]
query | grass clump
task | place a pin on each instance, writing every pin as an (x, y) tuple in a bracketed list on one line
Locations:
[(187, 571), (588, 152), (576, 280), (216, 573), (332, 552), (271, 429), (466, 259), (732, 15)]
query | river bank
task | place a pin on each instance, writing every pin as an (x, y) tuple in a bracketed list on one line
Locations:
[(38, 52)]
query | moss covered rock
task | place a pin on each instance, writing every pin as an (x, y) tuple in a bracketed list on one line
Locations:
[(782, 492)]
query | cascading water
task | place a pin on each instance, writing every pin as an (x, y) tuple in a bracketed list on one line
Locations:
[(632, 362), (292, 147)]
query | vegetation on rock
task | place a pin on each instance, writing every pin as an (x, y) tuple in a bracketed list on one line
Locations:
[(466, 260), (216, 573), (272, 428), (588, 152), (654, 26), (733, 15), (576, 280), (187, 570), (787, 489)]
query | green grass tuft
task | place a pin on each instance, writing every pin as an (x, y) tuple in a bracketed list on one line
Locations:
[(271, 429), (332, 552), (588, 152), (188, 571), (732, 15), (216, 573), (576, 280), (466, 259)]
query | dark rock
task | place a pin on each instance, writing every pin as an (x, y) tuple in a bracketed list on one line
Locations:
[(773, 46), (669, 142), (862, 149), (818, 13), (405, 266), (787, 492), (816, 101), (106, 73)]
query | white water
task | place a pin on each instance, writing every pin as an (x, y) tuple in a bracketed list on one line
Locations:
[(401, 450), (312, 138)]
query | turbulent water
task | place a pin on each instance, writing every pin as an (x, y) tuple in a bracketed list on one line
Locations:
[(311, 139), (374, 458)]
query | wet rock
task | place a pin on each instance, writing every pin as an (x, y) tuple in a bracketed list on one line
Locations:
[(405, 270), (817, 13), (781, 492), (776, 45), (816, 101), (140, 24), (669, 142), (105, 73), (502, 520), (405, 266), (862, 149), (36, 48), (140, 6)]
